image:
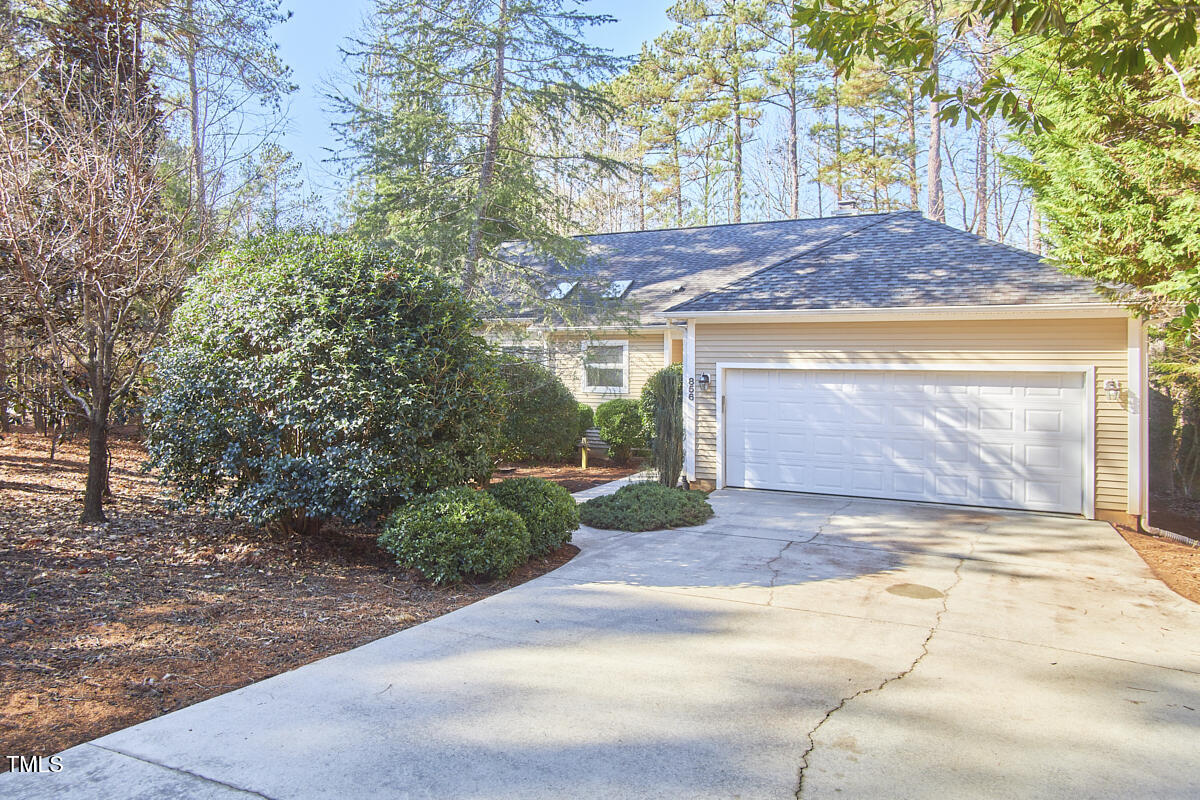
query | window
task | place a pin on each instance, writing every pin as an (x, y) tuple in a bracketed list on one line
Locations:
[(606, 367), (561, 290), (616, 289)]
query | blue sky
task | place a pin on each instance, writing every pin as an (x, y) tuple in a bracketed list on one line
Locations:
[(309, 44)]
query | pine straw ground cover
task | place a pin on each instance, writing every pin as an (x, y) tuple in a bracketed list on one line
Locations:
[(103, 626)]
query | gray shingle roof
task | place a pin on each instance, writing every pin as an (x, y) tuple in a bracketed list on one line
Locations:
[(893, 260), (668, 267), (900, 260)]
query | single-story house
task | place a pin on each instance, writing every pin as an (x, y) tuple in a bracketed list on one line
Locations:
[(874, 355)]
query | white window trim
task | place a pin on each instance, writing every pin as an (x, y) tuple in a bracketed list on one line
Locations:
[(583, 384)]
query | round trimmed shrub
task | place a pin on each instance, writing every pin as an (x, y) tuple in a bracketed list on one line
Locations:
[(620, 424), (456, 532), (310, 377), (540, 417), (587, 420), (646, 507), (549, 512)]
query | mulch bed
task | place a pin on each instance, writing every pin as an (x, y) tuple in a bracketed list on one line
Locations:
[(1176, 564), (104, 626), (568, 475)]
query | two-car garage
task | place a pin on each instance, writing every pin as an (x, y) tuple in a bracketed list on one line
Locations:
[(1003, 438)]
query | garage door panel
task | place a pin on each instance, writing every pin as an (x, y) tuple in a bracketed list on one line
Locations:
[(1004, 439)]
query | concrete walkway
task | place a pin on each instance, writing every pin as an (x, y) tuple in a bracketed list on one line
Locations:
[(794, 646)]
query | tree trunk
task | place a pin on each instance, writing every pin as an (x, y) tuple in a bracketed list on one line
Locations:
[(837, 140), (914, 180), (937, 199), (490, 150), (97, 476), (4, 427), (678, 180), (794, 155), (981, 179), (197, 135)]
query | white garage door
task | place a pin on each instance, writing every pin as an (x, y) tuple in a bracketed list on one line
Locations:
[(1011, 440)]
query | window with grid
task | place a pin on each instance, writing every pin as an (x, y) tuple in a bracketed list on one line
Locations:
[(605, 366)]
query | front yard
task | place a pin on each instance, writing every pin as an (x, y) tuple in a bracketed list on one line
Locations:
[(105, 626)]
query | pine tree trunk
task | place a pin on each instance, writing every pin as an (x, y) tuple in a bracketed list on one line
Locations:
[(981, 179), (794, 153), (837, 140), (201, 209), (491, 148), (678, 180), (914, 180), (937, 199)]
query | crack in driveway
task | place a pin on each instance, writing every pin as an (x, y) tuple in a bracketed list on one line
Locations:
[(933, 629), (820, 530)]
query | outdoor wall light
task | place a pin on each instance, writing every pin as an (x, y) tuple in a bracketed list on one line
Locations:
[(704, 380), (1113, 389)]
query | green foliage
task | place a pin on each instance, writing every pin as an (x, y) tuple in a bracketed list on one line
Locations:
[(454, 533), (458, 124), (1117, 180), (646, 507), (549, 512), (1176, 373), (309, 378), (540, 414), (661, 410), (620, 424), (587, 420), (1107, 42)]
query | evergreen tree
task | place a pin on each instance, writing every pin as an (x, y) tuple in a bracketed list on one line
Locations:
[(460, 112)]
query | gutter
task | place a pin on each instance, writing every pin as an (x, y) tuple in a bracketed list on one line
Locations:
[(1022, 311)]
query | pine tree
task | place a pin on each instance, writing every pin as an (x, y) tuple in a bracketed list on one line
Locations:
[(462, 109)]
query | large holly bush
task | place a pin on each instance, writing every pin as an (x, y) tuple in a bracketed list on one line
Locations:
[(309, 377), (540, 415), (620, 424), (454, 533)]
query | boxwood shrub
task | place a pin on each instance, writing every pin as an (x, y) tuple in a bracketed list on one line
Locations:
[(540, 414), (587, 420), (646, 507), (620, 424), (454, 533), (549, 512)]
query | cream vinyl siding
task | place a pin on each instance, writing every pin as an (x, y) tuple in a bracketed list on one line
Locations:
[(645, 358), (1100, 343)]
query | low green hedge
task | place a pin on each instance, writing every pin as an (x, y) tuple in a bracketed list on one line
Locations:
[(620, 424), (456, 532), (549, 512), (646, 507)]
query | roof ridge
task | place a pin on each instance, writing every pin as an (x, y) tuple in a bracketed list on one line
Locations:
[(740, 224), (803, 253)]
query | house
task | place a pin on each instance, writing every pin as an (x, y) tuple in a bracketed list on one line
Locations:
[(875, 355)]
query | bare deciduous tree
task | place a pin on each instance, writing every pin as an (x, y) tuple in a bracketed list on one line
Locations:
[(83, 226)]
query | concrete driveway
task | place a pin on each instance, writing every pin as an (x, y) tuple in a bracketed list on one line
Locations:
[(794, 646)]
